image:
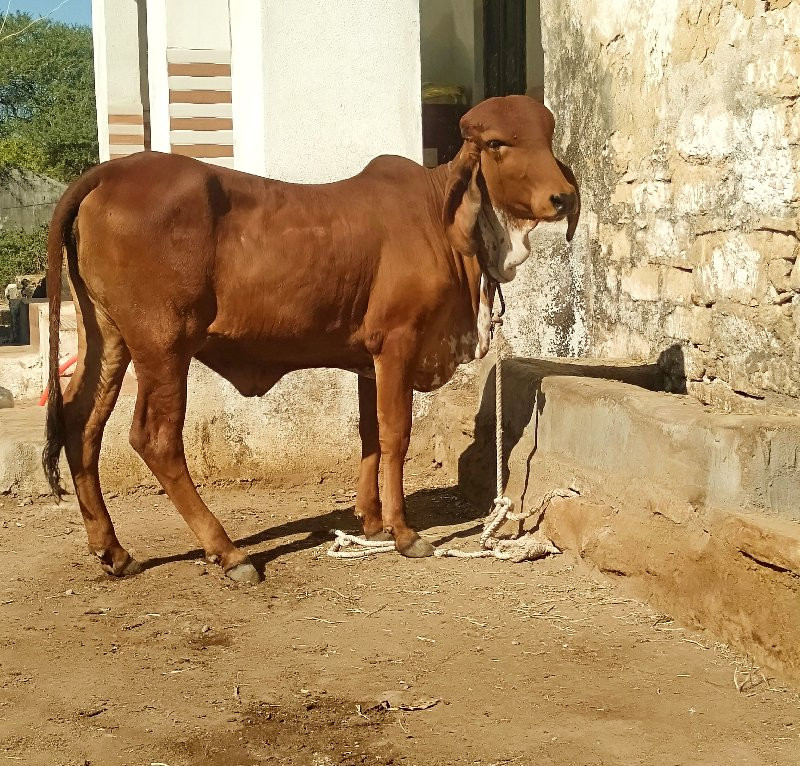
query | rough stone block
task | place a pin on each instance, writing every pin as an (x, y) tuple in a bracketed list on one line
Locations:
[(642, 283), (695, 363), (622, 195), (614, 243), (651, 195), (701, 325), (678, 285), (792, 122), (767, 179), (729, 268), (779, 274), (665, 242), (785, 224), (678, 323), (622, 150), (691, 323), (708, 134), (701, 188), (752, 345), (6, 398), (778, 75), (621, 246), (775, 245), (794, 277)]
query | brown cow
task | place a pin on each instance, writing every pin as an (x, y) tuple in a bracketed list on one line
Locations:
[(390, 274)]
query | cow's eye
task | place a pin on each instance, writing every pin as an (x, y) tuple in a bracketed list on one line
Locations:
[(495, 144)]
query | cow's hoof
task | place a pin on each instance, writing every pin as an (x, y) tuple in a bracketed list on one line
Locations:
[(244, 572), (417, 549), (382, 536), (133, 567), (127, 569)]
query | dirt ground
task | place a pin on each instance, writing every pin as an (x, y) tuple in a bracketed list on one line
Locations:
[(481, 662)]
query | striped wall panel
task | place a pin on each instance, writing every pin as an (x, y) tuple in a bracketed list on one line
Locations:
[(128, 130), (200, 112)]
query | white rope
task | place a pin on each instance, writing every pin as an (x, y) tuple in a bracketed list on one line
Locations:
[(522, 547), (361, 546)]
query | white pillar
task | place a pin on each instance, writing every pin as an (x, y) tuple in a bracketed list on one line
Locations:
[(248, 88), (118, 90), (100, 75), (197, 56), (157, 74)]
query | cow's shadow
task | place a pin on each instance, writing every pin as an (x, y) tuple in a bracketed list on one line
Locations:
[(426, 509)]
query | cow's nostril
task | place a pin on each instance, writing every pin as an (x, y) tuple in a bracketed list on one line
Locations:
[(563, 203)]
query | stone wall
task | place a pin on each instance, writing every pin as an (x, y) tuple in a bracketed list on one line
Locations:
[(27, 199), (681, 119)]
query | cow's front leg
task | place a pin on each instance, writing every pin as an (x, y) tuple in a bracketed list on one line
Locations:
[(368, 502), (394, 399)]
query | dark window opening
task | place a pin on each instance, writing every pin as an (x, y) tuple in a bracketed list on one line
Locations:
[(472, 50)]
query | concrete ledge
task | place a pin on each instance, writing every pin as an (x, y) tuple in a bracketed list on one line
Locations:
[(747, 462), (695, 511), (646, 438)]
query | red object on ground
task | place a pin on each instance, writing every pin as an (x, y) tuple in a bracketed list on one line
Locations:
[(61, 370)]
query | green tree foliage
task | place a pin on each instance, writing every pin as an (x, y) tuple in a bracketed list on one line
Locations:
[(22, 252), (47, 110)]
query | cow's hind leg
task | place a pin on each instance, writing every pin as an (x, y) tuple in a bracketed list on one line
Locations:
[(88, 402), (368, 503), (156, 434)]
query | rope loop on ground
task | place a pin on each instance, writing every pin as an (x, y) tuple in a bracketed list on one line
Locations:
[(360, 546), (523, 547)]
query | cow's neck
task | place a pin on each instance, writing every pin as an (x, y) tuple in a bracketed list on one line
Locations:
[(478, 287)]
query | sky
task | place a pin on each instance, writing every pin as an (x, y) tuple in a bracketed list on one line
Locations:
[(71, 12)]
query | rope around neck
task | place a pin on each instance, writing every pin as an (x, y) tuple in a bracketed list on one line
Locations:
[(523, 547)]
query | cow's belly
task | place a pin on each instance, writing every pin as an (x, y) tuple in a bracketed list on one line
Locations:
[(253, 366)]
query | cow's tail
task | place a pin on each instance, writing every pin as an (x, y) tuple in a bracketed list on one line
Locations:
[(61, 237)]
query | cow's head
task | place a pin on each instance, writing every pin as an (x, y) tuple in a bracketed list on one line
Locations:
[(504, 181)]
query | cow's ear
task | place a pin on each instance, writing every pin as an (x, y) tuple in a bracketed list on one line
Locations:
[(572, 218), (462, 199)]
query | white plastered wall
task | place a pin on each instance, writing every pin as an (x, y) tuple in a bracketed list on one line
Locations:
[(342, 85)]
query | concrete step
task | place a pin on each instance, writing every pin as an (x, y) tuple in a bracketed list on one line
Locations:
[(21, 371), (697, 457)]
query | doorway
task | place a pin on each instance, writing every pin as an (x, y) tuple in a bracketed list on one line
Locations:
[(471, 50)]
